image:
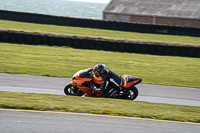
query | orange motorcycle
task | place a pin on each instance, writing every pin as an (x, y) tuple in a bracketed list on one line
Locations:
[(83, 79)]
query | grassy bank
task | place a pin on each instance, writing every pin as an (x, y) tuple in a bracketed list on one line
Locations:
[(99, 106), (99, 33), (64, 62)]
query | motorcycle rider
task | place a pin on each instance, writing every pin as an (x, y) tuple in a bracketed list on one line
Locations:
[(109, 80)]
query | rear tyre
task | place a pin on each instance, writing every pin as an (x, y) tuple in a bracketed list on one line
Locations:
[(73, 90), (131, 93)]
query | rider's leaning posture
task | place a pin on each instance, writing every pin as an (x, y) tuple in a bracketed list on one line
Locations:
[(109, 79)]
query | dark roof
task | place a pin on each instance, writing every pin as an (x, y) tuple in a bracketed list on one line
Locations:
[(165, 8)]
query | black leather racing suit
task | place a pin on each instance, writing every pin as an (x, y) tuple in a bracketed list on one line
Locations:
[(112, 81)]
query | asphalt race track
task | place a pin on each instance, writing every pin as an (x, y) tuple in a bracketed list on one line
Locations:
[(24, 121), (56, 122), (54, 85)]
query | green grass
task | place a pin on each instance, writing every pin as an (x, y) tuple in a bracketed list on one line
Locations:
[(65, 61), (100, 106), (99, 33)]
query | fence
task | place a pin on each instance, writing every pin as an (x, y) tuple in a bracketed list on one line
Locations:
[(101, 24), (98, 44)]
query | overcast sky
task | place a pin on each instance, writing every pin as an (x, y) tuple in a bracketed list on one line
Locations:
[(96, 1)]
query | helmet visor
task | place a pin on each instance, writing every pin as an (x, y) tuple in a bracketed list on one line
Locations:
[(99, 73)]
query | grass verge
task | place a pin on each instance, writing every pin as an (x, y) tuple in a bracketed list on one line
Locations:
[(115, 107), (65, 61), (100, 33)]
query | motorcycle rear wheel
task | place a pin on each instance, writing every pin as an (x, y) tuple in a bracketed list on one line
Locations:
[(73, 90), (131, 93)]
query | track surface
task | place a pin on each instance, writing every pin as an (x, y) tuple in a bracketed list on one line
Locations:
[(54, 85), (51, 122), (45, 122)]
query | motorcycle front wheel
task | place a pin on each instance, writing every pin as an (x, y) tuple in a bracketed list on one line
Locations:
[(131, 93), (73, 90)]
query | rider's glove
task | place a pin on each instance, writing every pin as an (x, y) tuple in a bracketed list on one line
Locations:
[(95, 88)]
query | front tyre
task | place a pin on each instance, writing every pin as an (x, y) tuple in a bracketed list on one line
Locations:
[(73, 90), (131, 93), (68, 89)]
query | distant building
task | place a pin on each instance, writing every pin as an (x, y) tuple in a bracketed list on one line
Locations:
[(167, 12)]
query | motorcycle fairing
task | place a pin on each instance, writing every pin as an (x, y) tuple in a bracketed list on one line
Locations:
[(90, 92), (81, 78), (97, 81), (83, 73), (130, 80)]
